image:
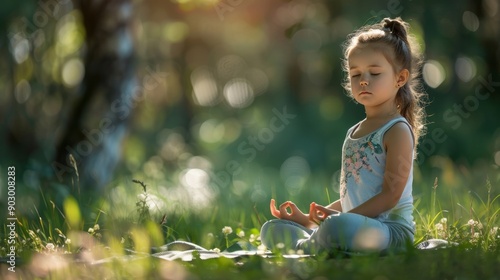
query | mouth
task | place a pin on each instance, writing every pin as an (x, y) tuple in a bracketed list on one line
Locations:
[(364, 92)]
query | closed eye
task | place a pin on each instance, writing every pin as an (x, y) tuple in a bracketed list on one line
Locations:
[(375, 74), (354, 76)]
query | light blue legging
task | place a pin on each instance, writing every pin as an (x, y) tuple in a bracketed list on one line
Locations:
[(346, 232)]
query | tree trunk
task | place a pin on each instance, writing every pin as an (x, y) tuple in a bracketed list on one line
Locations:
[(99, 121)]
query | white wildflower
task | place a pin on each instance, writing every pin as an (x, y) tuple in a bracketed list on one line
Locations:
[(493, 231), (476, 235), (261, 249), (479, 225), (67, 241), (96, 227), (210, 235), (471, 222), (91, 230), (251, 238), (122, 240), (50, 246), (439, 227), (241, 234), (227, 230), (217, 250), (443, 221), (280, 245)]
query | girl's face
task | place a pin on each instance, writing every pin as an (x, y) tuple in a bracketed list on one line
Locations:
[(373, 78)]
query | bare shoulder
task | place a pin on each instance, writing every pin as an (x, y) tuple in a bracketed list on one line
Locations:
[(399, 135)]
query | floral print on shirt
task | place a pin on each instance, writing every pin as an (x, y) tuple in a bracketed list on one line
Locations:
[(356, 158)]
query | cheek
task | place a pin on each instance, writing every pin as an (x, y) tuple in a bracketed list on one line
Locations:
[(354, 83)]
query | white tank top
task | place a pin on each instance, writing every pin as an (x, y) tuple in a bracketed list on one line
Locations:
[(362, 173)]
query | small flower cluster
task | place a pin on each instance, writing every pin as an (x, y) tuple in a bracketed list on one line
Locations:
[(442, 228), (94, 231), (227, 230), (472, 232), (241, 235), (476, 230), (494, 232)]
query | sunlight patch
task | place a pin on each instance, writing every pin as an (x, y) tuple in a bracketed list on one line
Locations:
[(368, 239), (195, 183)]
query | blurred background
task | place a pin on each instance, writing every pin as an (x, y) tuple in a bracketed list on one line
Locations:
[(220, 105)]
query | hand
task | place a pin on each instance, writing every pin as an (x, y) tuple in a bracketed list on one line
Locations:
[(318, 213), (289, 211)]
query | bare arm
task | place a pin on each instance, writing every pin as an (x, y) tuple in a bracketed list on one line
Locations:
[(399, 148), (335, 206)]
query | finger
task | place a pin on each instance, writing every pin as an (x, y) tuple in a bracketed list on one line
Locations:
[(321, 215), (293, 208), (312, 209), (323, 212), (274, 211), (313, 214), (283, 209)]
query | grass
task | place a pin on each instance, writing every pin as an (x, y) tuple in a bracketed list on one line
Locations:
[(61, 241)]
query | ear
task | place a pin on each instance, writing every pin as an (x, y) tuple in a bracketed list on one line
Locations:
[(402, 77)]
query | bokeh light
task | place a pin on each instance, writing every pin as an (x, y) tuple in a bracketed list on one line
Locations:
[(294, 172), (497, 158), (196, 183), (433, 73), (211, 131), (238, 93), (73, 72), (20, 48), (465, 68), (176, 31), (369, 239), (172, 144), (70, 34), (204, 87), (23, 91), (470, 21)]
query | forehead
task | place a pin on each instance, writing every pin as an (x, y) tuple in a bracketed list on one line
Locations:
[(369, 54)]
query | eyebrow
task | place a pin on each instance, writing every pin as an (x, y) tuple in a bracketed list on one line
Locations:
[(369, 66)]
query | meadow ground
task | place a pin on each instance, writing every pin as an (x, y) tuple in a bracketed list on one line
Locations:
[(112, 238)]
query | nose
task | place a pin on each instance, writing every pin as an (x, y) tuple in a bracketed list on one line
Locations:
[(363, 83)]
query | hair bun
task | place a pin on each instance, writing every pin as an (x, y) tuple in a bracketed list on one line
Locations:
[(396, 27)]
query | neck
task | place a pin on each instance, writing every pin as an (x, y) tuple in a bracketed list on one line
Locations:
[(382, 112)]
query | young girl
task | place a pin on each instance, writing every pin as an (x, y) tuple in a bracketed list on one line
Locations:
[(374, 212)]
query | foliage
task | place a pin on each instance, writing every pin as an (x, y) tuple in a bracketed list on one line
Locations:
[(54, 236), (238, 102)]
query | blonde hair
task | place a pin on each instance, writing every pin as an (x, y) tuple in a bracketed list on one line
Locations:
[(403, 53)]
